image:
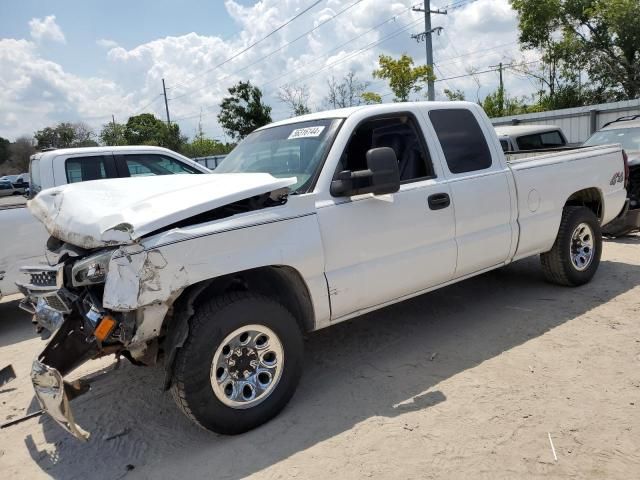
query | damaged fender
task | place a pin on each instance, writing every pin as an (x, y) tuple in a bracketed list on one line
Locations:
[(138, 277)]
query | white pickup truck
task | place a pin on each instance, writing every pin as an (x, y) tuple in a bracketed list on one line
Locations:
[(23, 237), (308, 222)]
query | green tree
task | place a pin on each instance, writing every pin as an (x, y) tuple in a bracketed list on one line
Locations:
[(65, 135), (499, 104), (601, 37), (243, 111), (20, 152), (112, 134), (201, 146), (454, 95), (147, 129), (4, 150), (370, 98), (144, 129), (402, 76)]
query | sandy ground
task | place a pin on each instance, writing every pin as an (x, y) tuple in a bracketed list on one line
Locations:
[(465, 382)]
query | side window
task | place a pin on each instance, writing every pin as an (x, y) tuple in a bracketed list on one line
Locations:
[(505, 145), (552, 139), (541, 140), (146, 164), (463, 142), (399, 133), (34, 177), (530, 142), (81, 169)]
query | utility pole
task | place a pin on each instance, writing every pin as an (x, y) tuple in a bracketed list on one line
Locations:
[(426, 36), (166, 103), (500, 67), (501, 88)]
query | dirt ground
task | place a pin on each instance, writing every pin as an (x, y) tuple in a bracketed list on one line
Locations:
[(466, 382)]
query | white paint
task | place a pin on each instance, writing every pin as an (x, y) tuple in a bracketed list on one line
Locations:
[(24, 238), (354, 254), (118, 211)]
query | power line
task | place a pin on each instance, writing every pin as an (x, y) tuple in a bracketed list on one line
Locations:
[(237, 54), (351, 55), (348, 57), (483, 71), (261, 59), (141, 110)]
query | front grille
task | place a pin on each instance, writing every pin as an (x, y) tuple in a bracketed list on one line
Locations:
[(43, 279), (56, 302)]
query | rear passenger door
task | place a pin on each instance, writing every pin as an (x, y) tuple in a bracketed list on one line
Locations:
[(84, 167), (480, 189)]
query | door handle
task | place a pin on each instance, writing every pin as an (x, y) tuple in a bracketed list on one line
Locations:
[(438, 201)]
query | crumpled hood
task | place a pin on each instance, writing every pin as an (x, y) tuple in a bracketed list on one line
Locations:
[(119, 211)]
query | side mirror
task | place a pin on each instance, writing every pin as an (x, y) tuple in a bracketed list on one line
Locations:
[(381, 177)]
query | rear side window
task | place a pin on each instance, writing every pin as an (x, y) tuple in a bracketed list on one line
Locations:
[(463, 142), (505, 145), (34, 177), (144, 165), (541, 140), (82, 169)]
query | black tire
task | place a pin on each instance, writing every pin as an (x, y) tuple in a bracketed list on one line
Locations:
[(209, 326), (557, 264)]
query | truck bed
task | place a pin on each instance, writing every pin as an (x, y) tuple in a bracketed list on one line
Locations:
[(540, 190)]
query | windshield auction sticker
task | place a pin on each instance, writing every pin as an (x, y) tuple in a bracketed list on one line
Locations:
[(306, 132)]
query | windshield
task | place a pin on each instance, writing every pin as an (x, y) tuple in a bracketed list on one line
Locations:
[(628, 137), (293, 150)]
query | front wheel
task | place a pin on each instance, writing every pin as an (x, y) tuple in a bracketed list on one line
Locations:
[(575, 255), (240, 364)]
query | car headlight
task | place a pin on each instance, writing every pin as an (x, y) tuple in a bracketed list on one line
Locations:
[(91, 270)]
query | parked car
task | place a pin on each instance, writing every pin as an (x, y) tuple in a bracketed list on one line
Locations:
[(310, 221), (21, 183), (25, 244), (517, 138), (6, 188), (626, 132)]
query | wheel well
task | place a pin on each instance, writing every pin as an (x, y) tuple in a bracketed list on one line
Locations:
[(590, 198), (280, 282)]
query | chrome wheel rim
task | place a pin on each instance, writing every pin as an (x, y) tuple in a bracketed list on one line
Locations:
[(582, 247), (247, 366)]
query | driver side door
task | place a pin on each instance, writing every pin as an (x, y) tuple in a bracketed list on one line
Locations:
[(382, 248)]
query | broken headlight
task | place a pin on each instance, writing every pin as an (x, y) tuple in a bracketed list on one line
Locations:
[(91, 270)]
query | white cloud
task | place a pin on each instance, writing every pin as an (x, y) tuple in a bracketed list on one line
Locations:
[(106, 43), (477, 35), (46, 29), (38, 92)]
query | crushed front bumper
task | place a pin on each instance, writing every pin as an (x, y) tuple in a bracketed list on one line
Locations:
[(68, 348)]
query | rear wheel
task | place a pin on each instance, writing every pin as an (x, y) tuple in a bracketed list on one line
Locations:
[(240, 364), (575, 255)]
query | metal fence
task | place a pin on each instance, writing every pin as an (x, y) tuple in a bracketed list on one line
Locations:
[(576, 123), (211, 162)]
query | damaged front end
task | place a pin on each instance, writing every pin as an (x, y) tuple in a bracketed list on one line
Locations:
[(66, 307)]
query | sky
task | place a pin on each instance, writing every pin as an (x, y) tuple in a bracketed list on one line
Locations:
[(86, 61)]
